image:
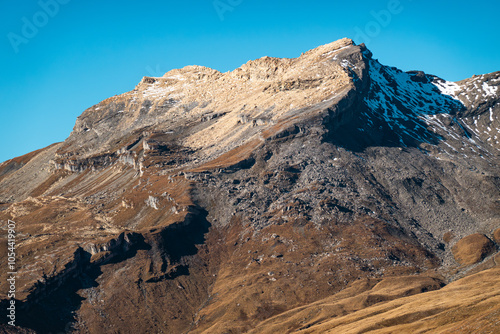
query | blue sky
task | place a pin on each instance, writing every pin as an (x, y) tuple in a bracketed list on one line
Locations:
[(78, 53)]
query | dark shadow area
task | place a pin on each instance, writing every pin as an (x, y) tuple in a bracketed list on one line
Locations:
[(122, 251), (51, 306), (176, 242), (389, 112), (243, 164), (359, 134), (177, 271), (180, 240)]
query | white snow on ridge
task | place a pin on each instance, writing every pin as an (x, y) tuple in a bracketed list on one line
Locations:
[(415, 98), (447, 88), (347, 64), (410, 108), (489, 90)]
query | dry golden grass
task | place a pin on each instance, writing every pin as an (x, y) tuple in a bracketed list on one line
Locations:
[(496, 235), (469, 305), (472, 249), (295, 264)]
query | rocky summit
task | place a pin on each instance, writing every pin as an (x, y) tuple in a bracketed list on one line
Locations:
[(324, 193)]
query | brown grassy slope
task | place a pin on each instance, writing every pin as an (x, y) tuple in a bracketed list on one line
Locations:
[(469, 305), (292, 265)]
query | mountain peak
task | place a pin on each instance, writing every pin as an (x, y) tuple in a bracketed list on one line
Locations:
[(263, 91), (333, 46), (366, 182)]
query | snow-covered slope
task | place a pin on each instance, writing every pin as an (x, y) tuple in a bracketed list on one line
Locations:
[(414, 109)]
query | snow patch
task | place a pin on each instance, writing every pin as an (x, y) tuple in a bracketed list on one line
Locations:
[(447, 88), (489, 90)]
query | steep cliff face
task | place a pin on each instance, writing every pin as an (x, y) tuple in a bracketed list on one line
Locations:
[(212, 202)]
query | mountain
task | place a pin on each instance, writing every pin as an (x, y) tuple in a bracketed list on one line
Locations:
[(324, 193)]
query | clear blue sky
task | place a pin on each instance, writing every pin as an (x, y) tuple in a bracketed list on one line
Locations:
[(86, 51)]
